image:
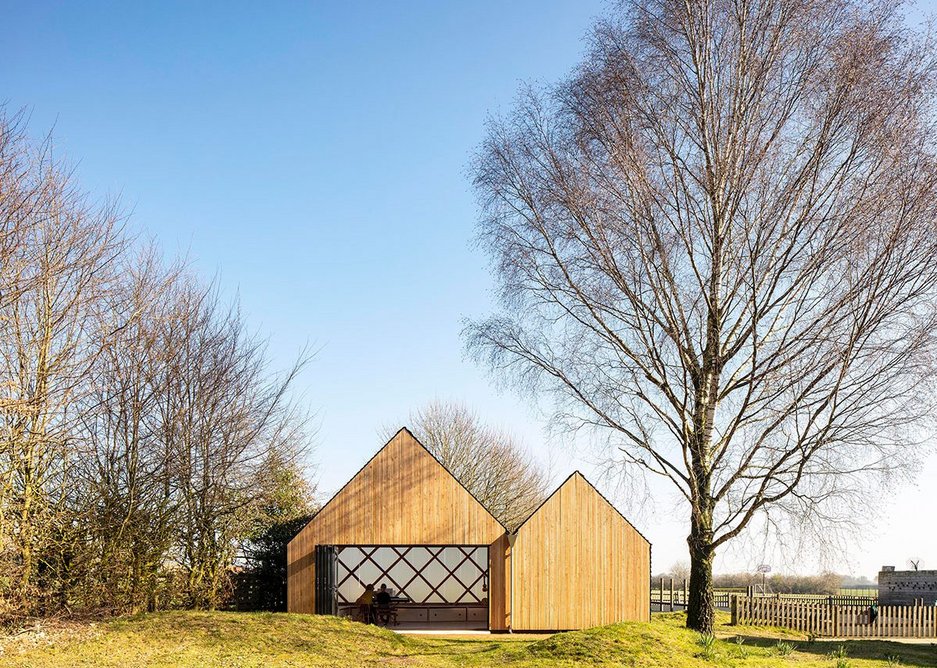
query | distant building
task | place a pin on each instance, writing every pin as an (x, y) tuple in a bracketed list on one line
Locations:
[(906, 587)]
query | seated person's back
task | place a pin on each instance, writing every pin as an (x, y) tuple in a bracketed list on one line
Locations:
[(366, 598)]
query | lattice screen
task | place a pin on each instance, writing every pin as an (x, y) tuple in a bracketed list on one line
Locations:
[(422, 573)]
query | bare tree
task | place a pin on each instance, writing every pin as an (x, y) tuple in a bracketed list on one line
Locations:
[(124, 487), (186, 436), (680, 571), (56, 269), (716, 244), (223, 414), (491, 464), (139, 420)]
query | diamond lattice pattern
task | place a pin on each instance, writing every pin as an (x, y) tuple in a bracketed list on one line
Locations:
[(422, 573)]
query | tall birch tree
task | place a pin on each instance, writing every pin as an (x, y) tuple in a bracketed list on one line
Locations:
[(716, 243)]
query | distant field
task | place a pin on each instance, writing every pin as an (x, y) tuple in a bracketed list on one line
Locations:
[(242, 640), (871, 590), (661, 599)]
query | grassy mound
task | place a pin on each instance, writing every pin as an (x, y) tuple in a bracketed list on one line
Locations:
[(667, 643), (663, 642), (256, 639), (216, 639)]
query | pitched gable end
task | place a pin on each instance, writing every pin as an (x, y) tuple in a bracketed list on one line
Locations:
[(576, 477), (403, 495)]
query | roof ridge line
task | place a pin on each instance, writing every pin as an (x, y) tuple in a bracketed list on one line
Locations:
[(374, 456), (596, 490)]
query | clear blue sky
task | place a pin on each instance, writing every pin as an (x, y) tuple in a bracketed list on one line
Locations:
[(312, 155)]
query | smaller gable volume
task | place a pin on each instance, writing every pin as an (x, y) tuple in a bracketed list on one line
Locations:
[(579, 563)]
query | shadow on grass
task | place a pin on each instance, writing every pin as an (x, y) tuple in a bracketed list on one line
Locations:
[(922, 653)]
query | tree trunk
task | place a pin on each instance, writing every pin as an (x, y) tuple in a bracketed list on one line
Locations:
[(701, 607)]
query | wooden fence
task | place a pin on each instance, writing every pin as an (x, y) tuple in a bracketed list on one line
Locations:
[(822, 618), (835, 599), (667, 595)]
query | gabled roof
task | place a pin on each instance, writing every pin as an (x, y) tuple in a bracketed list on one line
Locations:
[(442, 466), (571, 476)]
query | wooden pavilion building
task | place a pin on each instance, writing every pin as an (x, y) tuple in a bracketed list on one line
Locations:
[(405, 521)]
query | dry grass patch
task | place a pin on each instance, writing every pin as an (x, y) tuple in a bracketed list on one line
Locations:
[(242, 640)]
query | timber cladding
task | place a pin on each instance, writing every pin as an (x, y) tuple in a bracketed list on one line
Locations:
[(579, 563), (576, 561), (402, 496)]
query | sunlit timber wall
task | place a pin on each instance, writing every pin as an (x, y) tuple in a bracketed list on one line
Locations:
[(402, 496), (579, 563)]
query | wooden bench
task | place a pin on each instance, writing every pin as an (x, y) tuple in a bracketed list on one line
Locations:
[(430, 613)]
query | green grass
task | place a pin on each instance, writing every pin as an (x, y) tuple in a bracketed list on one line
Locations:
[(241, 639)]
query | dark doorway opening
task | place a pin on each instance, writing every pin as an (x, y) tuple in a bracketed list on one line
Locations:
[(433, 586)]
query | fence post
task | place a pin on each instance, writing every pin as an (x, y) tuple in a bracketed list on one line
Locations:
[(734, 607), (685, 598), (671, 594)]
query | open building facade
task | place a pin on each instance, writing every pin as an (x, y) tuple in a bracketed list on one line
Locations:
[(406, 522)]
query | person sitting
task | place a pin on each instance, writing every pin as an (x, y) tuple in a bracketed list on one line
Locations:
[(382, 604), (382, 596), (365, 602)]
